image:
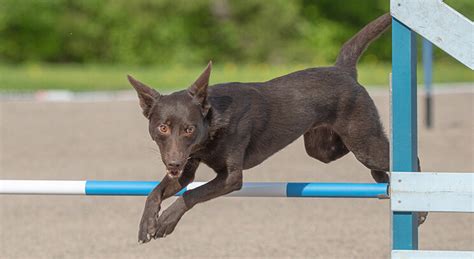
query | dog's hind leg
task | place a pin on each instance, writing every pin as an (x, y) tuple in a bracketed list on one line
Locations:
[(324, 144), (373, 152), (370, 146), (360, 129), (364, 136)]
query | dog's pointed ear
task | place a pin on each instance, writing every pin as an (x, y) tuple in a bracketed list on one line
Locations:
[(198, 90), (147, 95)]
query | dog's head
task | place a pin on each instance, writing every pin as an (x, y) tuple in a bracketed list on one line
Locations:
[(177, 122)]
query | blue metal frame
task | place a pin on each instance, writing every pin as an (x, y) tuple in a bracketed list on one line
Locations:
[(404, 127)]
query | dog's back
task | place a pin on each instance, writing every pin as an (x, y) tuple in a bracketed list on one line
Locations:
[(337, 79)]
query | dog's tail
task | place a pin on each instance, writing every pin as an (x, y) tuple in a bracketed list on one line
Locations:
[(353, 49)]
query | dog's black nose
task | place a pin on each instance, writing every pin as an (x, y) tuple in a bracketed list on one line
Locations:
[(174, 164)]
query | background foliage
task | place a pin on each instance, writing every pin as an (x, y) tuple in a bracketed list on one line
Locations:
[(90, 44), (177, 31)]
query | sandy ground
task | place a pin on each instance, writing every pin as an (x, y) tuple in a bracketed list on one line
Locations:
[(109, 140)]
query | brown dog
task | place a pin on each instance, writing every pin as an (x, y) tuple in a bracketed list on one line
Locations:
[(235, 126)]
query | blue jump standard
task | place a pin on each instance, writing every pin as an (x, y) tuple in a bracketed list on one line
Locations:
[(334, 190)]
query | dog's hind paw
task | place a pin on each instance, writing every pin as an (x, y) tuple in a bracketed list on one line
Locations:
[(422, 217)]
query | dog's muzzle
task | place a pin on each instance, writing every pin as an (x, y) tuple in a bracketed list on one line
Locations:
[(174, 173)]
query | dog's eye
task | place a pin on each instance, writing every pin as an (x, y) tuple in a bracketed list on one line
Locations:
[(189, 130), (163, 128)]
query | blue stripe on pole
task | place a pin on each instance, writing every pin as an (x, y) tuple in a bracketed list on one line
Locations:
[(348, 190), (124, 188), (140, 188), (337, 190)]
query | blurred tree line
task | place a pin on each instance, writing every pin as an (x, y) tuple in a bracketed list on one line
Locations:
[(183, 31)]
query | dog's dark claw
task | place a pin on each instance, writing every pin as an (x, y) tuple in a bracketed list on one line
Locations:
[(145, 234), (143, 239)]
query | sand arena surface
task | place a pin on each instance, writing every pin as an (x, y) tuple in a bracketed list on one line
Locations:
[(109, 141)]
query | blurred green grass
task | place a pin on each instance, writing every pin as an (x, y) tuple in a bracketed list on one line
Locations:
[(32, 77)]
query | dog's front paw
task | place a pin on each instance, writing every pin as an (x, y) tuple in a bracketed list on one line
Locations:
[(170, 218), (148, 224)]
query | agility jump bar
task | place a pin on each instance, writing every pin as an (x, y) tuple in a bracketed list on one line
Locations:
[(143, 188)]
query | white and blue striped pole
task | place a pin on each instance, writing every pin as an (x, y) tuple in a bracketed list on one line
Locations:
[(143, 188)]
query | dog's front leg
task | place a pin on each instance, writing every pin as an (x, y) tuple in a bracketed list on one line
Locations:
[(224, 183), (167, 188)]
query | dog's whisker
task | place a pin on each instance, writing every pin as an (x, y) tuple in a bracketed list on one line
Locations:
[(153, 150)]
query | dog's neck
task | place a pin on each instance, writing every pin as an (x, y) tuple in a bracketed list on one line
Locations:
[(216, 124)]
